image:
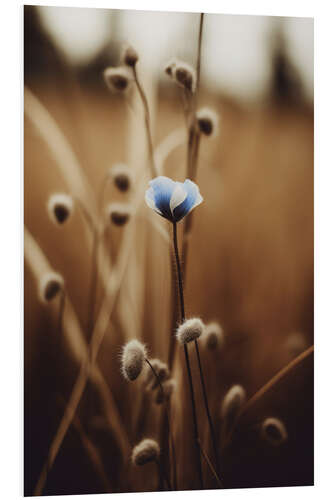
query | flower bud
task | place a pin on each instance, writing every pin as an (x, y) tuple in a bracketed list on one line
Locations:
[(190, 330), (122, 176), (273, 431), (213, 336), (130, 56), (208, 121), (146, 451), (232, 402), (119, 213), (118, 79), (169, 387), (162, 371), (50, 285), (132, 360), (60, 207)]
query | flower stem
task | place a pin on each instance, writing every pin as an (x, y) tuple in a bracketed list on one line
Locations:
[(188, 367), (167, 420), (210, 421)]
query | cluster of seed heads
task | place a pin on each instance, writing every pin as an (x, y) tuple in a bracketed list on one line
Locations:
[(162, 371), (182, 73), (190, 330)]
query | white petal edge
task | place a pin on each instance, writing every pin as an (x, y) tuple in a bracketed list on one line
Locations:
[(197, 202), (178, 196), (151, 203)]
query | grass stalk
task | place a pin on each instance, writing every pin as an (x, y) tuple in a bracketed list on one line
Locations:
[(144, 101)]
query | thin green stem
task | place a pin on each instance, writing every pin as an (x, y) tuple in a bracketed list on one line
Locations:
[(188, 366)]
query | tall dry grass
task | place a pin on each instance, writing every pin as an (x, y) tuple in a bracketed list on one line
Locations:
[(248, 256)]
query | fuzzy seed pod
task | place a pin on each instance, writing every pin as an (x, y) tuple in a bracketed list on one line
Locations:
[(232, 402), (130, 56), (119, 213), (132, 359), (146, 451), (122, 176), (190, 330), (60, 207), (162, 371), (50, 285), (207, 121), (213, 336), (118, 79), (273, 431), (169, 387), (185, 76)]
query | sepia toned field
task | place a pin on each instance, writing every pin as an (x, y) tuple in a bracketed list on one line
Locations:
[(249, 267)]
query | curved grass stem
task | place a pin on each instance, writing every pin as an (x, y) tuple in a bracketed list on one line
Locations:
[(144, 100)]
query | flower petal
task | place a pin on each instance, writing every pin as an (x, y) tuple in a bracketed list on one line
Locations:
[(149, 198), (163, 188), (178, 196), (192, 199)]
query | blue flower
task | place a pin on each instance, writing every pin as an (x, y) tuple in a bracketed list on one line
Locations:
[(172, 200)]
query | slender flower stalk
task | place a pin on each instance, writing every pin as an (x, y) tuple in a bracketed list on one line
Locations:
[(209, 417), (182, 309), (168, 423)]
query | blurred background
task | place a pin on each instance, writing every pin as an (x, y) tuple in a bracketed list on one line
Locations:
[(251, 252)]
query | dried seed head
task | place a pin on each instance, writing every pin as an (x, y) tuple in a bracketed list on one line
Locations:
[(208, 121), (190, 330), (169, 387), (50, 285), (232, 402), (162, 371), (60, 207), (171, 66), (185, 76), (130, 56), (119, 213), (132, 359), (118, 79), (146, 451), (122, 176), (273, 431), (213, 336)]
